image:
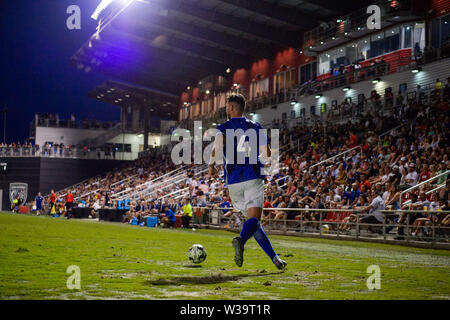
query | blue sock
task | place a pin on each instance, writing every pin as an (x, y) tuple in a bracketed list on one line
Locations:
[(264, 242), (248, 229)]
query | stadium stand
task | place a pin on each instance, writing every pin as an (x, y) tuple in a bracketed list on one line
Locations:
[(336, 168)]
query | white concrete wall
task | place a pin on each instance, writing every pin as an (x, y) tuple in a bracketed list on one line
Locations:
[(429, 74), (74, 136), (135, 140), (68, 136)]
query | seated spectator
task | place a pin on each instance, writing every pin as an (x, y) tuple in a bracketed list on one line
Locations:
[(375, 215)]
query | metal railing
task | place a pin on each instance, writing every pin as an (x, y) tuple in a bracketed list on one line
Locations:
[(422, 183), (351, 22), (336, 156), (68, 153), (397, 226)]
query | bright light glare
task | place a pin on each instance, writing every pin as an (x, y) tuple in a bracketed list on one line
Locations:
[(102, 6)]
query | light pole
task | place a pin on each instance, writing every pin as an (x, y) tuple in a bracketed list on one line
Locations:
[(5, 110)]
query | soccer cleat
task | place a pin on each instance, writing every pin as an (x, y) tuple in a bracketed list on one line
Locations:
[(280, 264), (238, 251)]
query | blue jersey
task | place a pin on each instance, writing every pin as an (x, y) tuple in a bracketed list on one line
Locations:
[(171, 215), (249, 169), (39, 202), (225, 204)]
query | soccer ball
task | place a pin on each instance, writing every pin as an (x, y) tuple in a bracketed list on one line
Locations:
[(196, 253), (325, 228)]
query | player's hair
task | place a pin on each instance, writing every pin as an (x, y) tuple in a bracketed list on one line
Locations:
[(239, 99)]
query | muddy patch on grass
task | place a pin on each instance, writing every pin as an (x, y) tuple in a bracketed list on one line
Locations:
[(127, 275), (358, 253), (210, 279)]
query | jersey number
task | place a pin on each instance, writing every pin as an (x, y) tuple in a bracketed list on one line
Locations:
[(243, 146)]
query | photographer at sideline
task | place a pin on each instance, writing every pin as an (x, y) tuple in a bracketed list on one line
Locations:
[(169, 219)]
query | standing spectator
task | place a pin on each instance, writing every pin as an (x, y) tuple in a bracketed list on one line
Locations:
[(187, 213), (69, 204), (53, 198)]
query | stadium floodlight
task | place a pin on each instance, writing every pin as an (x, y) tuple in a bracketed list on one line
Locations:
[(376, 80), (347, 88), (102, 6), (319, 95), (416, 69)]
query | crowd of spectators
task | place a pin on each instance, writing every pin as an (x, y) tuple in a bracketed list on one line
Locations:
[(53, 120), (369, 179)]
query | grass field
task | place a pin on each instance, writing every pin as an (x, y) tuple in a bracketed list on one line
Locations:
[(128, 262)]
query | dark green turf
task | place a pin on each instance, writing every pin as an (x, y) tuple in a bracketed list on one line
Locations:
[(128, 262)]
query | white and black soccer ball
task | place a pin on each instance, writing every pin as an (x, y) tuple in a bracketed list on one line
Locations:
[(196, 253)]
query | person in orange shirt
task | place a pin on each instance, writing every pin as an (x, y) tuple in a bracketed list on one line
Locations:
[(353, 140), (53, 201), (69, 204)]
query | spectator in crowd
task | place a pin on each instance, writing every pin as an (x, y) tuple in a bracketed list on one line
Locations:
[(169, 218), (187, 213), (38, 200)]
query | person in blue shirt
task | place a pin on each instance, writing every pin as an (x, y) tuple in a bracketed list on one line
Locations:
[(353, 195), (225, 204), (242, 143), (39, 198), (169, 219)]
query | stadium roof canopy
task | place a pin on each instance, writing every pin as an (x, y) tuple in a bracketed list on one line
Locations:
[(161, 104), (167, 45)]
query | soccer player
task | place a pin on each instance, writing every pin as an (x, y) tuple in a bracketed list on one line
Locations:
[(39, 200), (245, 179)]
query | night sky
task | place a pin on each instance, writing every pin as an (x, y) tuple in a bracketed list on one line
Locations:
[(36, 75)]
